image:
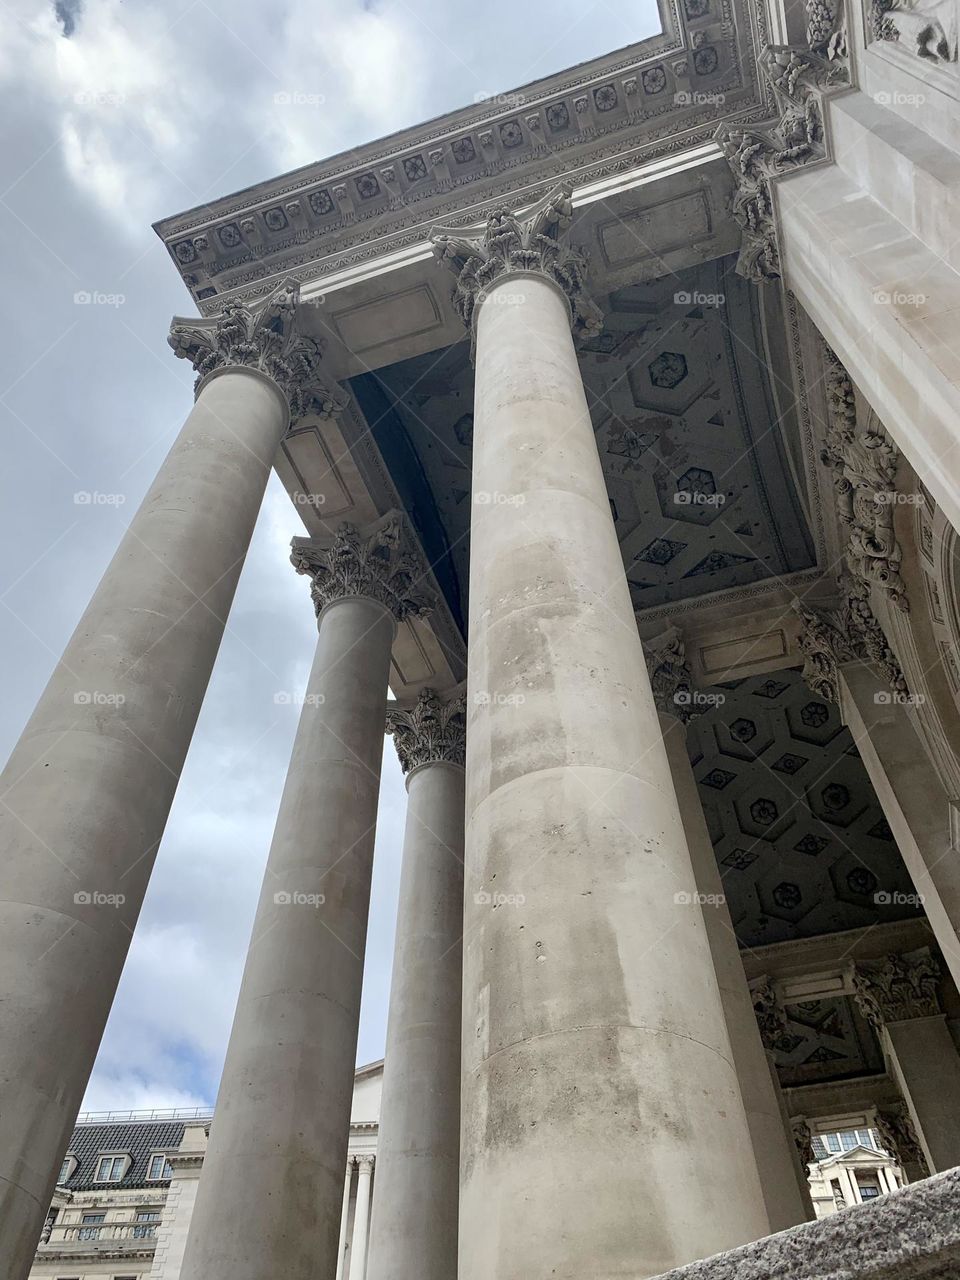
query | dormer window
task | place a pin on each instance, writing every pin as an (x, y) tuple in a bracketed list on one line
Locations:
[(159, 1167), (67, 1169), (112, 1168)]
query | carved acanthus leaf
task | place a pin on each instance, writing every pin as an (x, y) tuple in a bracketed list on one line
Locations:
[(898, 1137), (792, 139), (509, 243), (830, 637), (897, 987), (378, 562), (264, 337), (771, 1016), (864, 465), (434, 729), (803, 1137), (670, 676)]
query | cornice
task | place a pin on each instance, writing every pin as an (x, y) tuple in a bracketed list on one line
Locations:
[(654, 98)]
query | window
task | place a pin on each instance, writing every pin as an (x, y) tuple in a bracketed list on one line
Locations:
[(833, 1142), (146, 1224), (159, 1167), (67, 1169), (868, 1186), (111, 1168), (91, 1226)]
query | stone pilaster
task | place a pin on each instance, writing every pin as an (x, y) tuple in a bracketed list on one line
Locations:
[(88, 788), (413, 1233), (899, 996), (575, 847), (271, 1195)]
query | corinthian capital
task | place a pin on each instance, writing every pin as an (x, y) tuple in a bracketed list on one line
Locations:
[(378, 562), (830, 637), (898, 1136), (264, 337), (670, 676), (897, 988), (510, 243), (434, 729)]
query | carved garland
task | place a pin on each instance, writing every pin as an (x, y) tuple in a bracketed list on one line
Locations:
[(799, 78), (434, 729), (264, 337), (378, 562), (864, 465)]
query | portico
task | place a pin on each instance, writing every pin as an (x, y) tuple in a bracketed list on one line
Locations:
[(632, 519)]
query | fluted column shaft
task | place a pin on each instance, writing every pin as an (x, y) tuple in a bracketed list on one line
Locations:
[(414, 1227), (361, 1218), (603, 1133), (87, 790), (270, 1198)]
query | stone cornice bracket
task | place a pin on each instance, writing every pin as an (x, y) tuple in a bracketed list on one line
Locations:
[(771, 1016), (379, 562), (794, 138), (850, 633), (510, 243), (264, 337), (864, 466), (432, 730), (898, 1136), (897, 988), (670, 676)]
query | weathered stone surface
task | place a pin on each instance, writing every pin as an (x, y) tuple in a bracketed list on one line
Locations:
[(913, 1234)]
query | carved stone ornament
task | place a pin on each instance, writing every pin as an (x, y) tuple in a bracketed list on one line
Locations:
[(826, 33), (670, 676), (263, 337), (897, 988), (794, 138), (771, 1016), (434, 729), (864, 465), (803, 1137), (928, 28), (898, 1137), (850, 633), (378, 562), (509, 243)]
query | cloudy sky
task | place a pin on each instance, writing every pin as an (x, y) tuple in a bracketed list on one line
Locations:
[(115, 113)]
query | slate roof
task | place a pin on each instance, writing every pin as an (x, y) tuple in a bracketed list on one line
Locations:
[(138, 1139)]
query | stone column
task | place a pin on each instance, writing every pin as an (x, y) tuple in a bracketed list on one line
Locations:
[(787, 1201), (361, 1219), (602, 1127), (88, 787), (270, 1198), (414, 1228), (344, 1218), (898, 996)]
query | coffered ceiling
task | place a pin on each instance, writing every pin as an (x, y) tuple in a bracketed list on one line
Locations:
[(800, 839)]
